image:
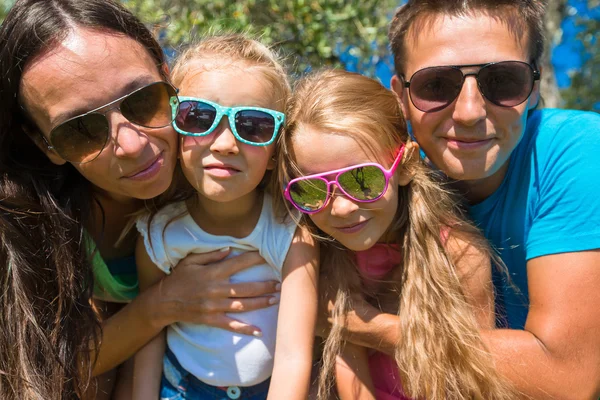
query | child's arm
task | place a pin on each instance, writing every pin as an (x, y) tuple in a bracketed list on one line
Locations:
[(149, 359), (352, 375), (475, 273), (297, 318)]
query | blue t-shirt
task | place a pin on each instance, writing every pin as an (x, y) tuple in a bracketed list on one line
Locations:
[(548, 203)]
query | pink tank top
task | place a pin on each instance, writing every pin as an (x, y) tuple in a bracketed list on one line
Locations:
[(374, 264)]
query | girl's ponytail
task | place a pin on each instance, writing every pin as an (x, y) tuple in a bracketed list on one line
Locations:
[(441, 354)]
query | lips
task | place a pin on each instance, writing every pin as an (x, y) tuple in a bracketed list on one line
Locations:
[(222, 166), (221, 171), (467, 143), (146, 170), (352, 228)]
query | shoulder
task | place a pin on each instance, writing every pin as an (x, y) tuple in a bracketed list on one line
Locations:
[(303, 251), (276, 220), (559, 144), (560, 125), (469, 252), (148, 222)]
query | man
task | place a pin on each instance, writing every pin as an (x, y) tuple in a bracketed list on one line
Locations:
[(467, 73)]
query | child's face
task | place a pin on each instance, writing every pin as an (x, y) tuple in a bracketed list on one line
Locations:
[(220, 167), (357, 226)]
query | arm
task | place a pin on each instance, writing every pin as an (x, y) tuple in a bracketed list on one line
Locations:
[(352, 375), (369, 327), (296, 324), (195, 292), (475, 273), (556, 356), (148, 360)]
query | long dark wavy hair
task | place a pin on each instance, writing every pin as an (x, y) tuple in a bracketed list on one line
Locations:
[(49, 332)]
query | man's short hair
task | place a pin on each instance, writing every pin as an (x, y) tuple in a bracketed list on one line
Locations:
[(522, 17)]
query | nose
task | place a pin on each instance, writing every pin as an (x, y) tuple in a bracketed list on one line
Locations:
[(470, 107), (129, 140), (342, 206), (224, 142)]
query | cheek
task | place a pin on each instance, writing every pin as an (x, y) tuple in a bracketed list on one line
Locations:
[(187, 143), (259, 158), (320, 219)]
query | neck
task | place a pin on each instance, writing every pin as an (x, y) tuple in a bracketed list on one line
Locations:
[(235, 218), (112, 216), (477, 190)]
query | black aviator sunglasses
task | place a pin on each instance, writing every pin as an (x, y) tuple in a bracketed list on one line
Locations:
[(504, 83)]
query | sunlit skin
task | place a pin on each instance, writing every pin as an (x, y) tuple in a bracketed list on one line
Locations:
[(224, 171), (357, 226), (471, 139), (88, 70)]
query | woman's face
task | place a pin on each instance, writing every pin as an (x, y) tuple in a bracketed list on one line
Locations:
[(89, 69)]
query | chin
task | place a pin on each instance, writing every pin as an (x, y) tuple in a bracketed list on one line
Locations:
[(466, 171), (356, 245), (154, 189)]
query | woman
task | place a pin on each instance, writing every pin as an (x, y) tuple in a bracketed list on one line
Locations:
[(70, 178)]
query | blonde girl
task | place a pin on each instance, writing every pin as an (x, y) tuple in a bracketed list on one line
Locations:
[(391, 234), (232, 96)]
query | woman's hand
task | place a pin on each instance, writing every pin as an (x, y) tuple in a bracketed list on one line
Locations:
[(199, 291)]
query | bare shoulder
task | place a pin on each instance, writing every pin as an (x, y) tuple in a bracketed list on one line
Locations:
[(472, 259), (470, 254)]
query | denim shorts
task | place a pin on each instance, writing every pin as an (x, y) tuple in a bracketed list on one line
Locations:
[(179, 384)]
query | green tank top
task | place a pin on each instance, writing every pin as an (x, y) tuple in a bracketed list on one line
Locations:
[(116, 281)]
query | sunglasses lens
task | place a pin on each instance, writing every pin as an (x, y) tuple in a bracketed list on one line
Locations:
[(255, 126), (364, 183), (150, 107), (195, 117), (309, 194), (432, 89), (81, 139), (506, 83)]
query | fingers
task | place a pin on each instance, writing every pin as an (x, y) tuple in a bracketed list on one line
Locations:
[(239, 263), (205, 258), (251, 289), (222, 268), (230, 324)]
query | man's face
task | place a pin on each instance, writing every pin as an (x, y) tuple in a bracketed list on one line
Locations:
[(471, 139)]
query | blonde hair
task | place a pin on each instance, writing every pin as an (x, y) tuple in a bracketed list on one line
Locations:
[(229, 50), (452, 365), (233, 50)]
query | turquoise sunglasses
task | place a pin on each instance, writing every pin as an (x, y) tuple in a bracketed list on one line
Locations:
[(250, 125)]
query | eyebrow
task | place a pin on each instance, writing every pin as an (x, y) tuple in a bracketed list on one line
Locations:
[(131, 86)]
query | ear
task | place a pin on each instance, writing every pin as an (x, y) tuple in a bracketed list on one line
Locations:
[(397, 85), (405, 174), (272, 163), (534, 97), (164, 68), (37, 137)]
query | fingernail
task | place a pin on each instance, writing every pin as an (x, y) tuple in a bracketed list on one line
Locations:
[(257, 333), (273, 300), (278, 287), (224, 249)]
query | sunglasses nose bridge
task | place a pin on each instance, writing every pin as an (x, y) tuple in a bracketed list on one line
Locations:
[(341, 203), (224, 139)]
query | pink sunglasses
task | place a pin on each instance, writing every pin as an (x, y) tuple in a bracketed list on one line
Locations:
[(364, 183)]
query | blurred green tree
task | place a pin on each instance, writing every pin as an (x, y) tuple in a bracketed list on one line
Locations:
[(316, 33), (313, 33), (584, 91)]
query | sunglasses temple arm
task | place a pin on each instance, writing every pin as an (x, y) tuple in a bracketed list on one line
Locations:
[(398, 159)]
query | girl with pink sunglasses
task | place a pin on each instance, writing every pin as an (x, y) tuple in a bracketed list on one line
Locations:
[(389, 233)]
